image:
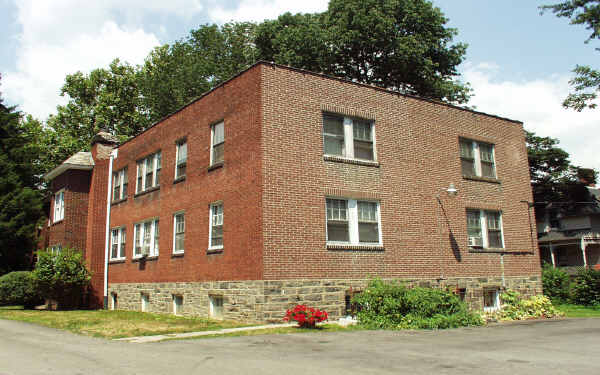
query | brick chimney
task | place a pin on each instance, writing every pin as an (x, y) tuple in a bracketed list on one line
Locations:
[(102, 145)]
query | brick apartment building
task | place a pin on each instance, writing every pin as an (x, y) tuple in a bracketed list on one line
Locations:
[(282, 186)]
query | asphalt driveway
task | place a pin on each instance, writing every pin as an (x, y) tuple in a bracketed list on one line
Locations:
[(550, 347)]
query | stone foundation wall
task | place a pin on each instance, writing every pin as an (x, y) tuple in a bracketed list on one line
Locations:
[(267, 301)]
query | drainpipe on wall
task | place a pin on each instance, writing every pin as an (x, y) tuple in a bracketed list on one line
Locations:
[(113, 155)]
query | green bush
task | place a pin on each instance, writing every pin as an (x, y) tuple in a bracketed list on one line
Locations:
[(586, 288), (556, 283), (514, 307), (61, 277), (394, 306), (18, 288)]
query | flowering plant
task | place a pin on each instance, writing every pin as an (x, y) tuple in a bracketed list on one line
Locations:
[(307, 317)]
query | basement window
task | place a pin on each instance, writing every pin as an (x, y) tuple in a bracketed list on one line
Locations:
[(114, 301), (491, 299), (216, 307), (177, 304), (145, 302)]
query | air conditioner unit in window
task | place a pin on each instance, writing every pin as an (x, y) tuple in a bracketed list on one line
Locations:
[(475, 242)]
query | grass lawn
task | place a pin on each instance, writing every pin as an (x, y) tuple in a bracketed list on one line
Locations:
[(577, 311), (115, 324)]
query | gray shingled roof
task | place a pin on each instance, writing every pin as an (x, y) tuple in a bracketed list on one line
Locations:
[(81, 160)]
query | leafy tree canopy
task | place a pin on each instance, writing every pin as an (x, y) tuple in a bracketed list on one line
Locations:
[(587, 80), (397, 44), (20, 200)]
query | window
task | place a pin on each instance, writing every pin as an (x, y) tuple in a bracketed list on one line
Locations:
[(491, 299), (181, 159), (177, 304), (178, 232), (484, 228), (120, 184), (114, 301), (216, 307), (348, 137), (477, 159), (145, 302), (145, 238), (353, 222), (216, 226), (56, 249), (59, 206), (217, 143), (148, 172), (117, 244)]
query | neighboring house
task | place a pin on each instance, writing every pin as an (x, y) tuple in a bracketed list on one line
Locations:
[(282, 186), (570, 239)]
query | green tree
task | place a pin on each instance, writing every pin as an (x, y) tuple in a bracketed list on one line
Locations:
[(20, 200), (586, 82), (397, 44), (554, 179), (173, 75)]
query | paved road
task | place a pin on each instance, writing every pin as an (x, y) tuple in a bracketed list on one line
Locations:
[(551, 347)]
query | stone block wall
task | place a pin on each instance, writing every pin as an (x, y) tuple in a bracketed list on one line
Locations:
[(267, 301)]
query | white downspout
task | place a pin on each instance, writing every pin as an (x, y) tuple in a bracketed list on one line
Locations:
[(113, 155), (583, 245)]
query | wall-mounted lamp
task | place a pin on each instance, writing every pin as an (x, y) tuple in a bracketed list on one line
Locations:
[(452, 191)]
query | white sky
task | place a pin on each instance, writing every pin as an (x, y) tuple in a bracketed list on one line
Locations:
[(59, 37)]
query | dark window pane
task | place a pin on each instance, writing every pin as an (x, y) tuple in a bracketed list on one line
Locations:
[(218, 151), (468, 167), (338, 231), (216, 238), (363, 150), (487, 170), (495, 239), (368, 232)]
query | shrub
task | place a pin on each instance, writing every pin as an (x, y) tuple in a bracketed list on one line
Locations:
[(61, 277), (18, 288), (514, 307), (586, 288), (307, 317), (556, 283), (394, 306)]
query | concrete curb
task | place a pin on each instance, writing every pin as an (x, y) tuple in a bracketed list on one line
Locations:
[(157, 338)]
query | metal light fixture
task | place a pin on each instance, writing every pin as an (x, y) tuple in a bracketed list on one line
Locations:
[(452, 191)]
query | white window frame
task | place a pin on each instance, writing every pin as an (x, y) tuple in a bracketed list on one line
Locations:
[(120, 179), (477, 156), (177, 308), (496, 299), (210, 225), (216, 312), (348, 152), (121, 238), (154, 248), (179, 213), (145, 302), (484, 227), (141, 167), (178, 162), (352, 217), (212, 144), (56, 249), (114, 301), (59, 206)]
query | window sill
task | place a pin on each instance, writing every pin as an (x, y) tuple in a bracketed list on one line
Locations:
[(341, 246), (341, 159), (214, 250), (178, 180), (141, 259), (114, 203), (57, 222), (150, 190), (178, 254), (215, 166), (117, 261), (482, 179), (495, 250)]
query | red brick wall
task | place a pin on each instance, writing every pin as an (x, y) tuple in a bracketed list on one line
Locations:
[(237, 184), (70, 232), (418, 151)]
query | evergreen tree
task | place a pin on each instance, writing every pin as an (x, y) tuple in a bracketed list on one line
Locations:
[(20, 200)]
